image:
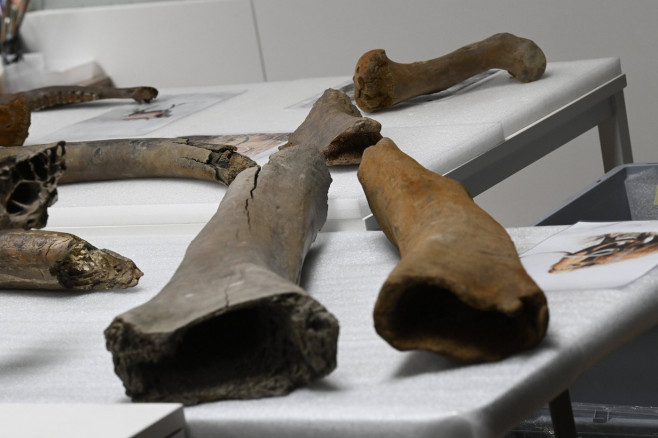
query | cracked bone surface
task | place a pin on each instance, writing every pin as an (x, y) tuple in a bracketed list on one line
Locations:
[(233, 323), (459, 288), (28, 183), (150, 158), (38, 259), (15, 109), (380, 83), (336, 126)]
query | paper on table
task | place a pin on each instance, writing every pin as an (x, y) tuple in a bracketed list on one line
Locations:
[(132, 120), (590, 255)]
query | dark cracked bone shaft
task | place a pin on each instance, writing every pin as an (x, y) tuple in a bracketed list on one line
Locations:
[(150, 158), (233, 323), (28, 184), (37, 259), (16, 109), (459, 288), (336, 126)]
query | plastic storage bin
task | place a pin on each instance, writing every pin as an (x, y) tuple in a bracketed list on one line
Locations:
[(627, 192)]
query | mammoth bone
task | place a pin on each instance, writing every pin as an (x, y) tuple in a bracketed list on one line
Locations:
[(380, 83), (232, 323), (459, 288), (15, 109), (336, 126)]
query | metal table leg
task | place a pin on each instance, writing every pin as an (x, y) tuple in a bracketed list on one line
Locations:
[(562, 416)]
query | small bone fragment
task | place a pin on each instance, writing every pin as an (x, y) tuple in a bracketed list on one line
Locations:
[(150, 158), (336, 126), (28, 184), (15, 109), (37, 259), (233, 323), (459, 288), (380, 83), (15, 119)]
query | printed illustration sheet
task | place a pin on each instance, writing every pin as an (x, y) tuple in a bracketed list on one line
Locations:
[(591, 255)]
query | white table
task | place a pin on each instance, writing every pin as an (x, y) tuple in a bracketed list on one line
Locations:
[(52, 346)]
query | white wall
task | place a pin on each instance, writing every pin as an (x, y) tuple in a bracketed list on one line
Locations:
[(306, 38)]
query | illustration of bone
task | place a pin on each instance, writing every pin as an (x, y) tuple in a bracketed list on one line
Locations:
[(611, 248), (380, 83), (233, 323), (37, 259), (16, 109), (336, 126), (459, 288)]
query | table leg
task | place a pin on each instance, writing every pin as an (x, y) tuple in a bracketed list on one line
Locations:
[(564, 425), (614, 135)]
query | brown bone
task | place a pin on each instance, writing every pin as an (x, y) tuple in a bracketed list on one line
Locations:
[(15, 109), (459, 288), (233, 322), (336, 126), (37, 259), (28, 184), (380, 83)]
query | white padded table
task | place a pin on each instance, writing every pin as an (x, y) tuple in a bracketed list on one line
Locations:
[(52, 348), (479, 134)]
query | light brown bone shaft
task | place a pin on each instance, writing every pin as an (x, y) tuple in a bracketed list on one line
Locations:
[(233, 323), (380, 83), (336, 126), (28, 184), (15, 109), (150, 158), (37, 259), (459, 288)]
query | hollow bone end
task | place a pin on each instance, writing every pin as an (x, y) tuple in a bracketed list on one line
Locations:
[(266, 348), (373, 81), (28, 184), (422, 314)]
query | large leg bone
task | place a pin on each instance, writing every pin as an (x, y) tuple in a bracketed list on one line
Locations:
[(459, 288), (335, 125), (150, 158), (380, 83), (28, 184), (232, 322), (15, 109), (35, 259)]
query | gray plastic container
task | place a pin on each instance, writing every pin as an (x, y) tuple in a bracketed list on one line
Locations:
[(625, 193)]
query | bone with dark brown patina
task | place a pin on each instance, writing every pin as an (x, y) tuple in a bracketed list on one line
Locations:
[(459, 288), (50, 260), (381, 83), (337, 128), (233, 323), (15, 109)]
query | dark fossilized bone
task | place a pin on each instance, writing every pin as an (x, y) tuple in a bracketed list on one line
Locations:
[(232, 322), (380, 83), (336, 126), (28, 184), (459, 288), (152, 157), (37, 259), (15, 109)]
